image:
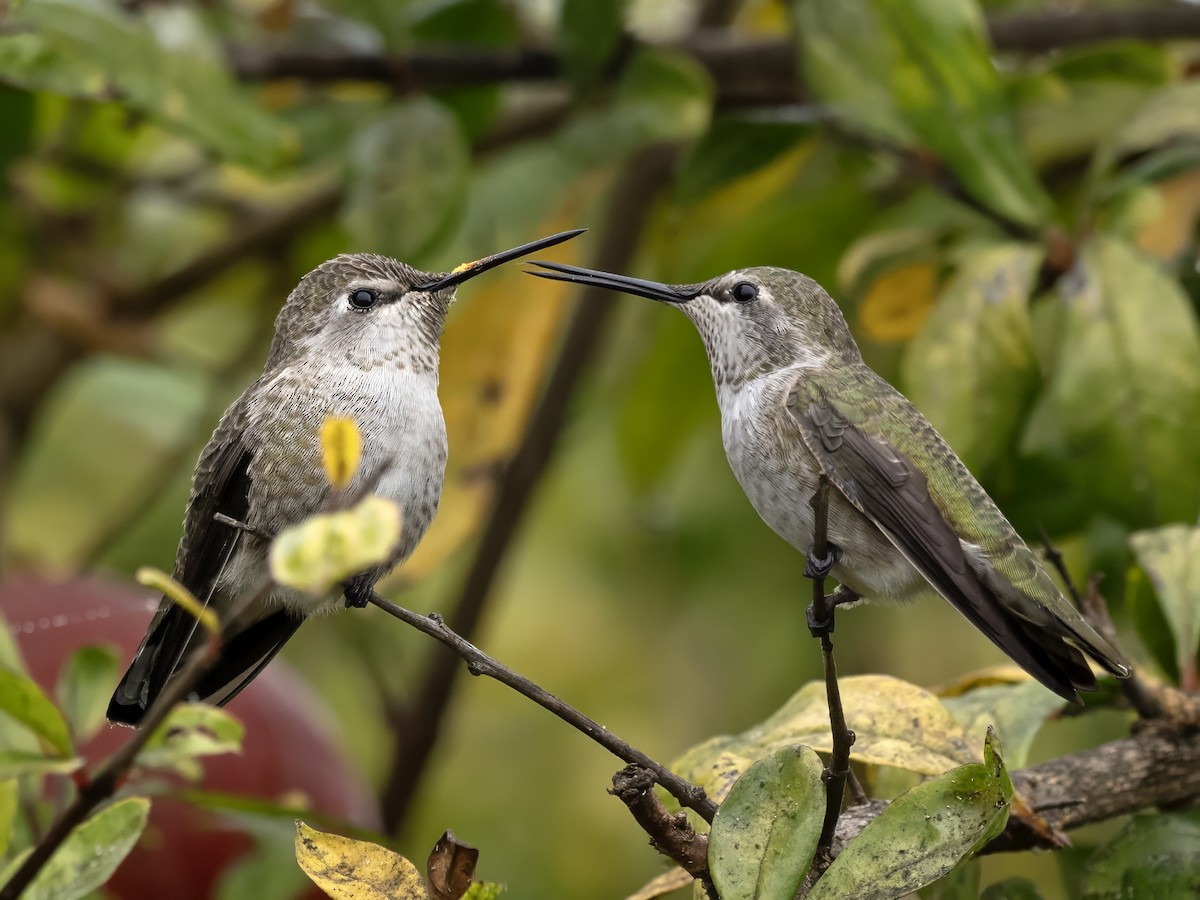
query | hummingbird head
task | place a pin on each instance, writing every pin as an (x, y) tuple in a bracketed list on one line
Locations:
[(753, 321), (370, 308)]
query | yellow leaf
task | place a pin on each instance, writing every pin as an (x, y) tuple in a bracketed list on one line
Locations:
[(346, 869), (330, 547), (896, 724), (164, 583), (341, 447), (1170, 232), (898, 302)]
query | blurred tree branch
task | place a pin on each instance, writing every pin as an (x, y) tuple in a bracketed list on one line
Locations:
[(630, 202), (746, 72)]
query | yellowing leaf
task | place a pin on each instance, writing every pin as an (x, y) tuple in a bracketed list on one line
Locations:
[(341, 447), (330, 547), (898, 302), (895, 723), (161, 581), (346, 869), (1170, 232)]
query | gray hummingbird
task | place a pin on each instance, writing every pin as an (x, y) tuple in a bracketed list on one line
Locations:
[(358, 337), (904, 513)]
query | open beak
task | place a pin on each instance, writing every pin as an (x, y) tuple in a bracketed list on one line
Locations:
[(479, 266), (655, 290)]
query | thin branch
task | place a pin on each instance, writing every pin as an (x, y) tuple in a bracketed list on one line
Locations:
[(632, 196), (671, 835), (101, 786), (821, 621), (479, 663)]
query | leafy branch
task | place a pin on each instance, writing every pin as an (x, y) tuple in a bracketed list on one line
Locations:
[(93, 790)]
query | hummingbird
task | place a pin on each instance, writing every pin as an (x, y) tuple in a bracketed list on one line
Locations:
[(904, 513), (358, 338)]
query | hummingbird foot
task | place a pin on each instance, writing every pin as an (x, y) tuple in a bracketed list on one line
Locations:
[(820, 566), (358, 591), (839, 597)]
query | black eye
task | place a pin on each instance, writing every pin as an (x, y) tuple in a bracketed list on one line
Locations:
[(744, 292), (363, 299)]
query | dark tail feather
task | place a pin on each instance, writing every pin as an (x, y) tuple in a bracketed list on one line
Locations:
[(172, 637)]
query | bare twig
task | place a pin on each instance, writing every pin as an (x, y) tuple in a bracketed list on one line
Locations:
[(1144, 698), (632, 196), (671, 835), (821, 623), (104, 783), (479, 663)]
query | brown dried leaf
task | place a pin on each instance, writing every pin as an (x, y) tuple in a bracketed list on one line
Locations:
[(451, 867)]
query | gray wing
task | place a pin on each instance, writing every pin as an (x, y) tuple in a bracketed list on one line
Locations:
[(883, 483), (221, 484)]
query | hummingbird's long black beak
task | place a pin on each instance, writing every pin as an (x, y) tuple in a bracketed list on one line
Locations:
[(655, 290), (479, 266)]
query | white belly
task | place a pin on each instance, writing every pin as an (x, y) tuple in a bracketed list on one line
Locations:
[(779, 476), (403, 454)]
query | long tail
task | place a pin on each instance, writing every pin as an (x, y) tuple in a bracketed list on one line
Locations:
[(173, 636)]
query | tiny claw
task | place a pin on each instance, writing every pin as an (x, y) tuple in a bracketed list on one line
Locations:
[(820, 566), (358, 593), (817, 628)]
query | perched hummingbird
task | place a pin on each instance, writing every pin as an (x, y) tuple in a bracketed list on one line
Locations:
[(359, 338), (904, 514)]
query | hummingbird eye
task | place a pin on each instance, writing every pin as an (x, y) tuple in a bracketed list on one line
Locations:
[(363, 299), (744, 292)]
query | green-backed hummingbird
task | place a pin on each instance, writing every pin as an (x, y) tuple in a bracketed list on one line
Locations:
[(358, 338), (904, 513)]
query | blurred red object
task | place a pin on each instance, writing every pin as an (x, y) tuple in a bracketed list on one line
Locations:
[(289, 750)]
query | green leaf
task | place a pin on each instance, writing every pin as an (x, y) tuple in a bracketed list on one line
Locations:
[(67, 492), (483, 890), (1016, 711), (192, 730), (960, 883), (21, 698), (895, 724), (20, 762), (662, 96), (1169, 556), (90, 854), (1156, 855), (1170, 114), (733, 146), (9, 800), (1011, 889), (1123, 403), (589, 33), (972, 368), (170, 71), (921, 73), (84, 687), (407, 179), (766, 831), (330, 547), (923, 834)]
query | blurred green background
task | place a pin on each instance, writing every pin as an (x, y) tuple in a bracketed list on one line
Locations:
[(1007, 217)]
